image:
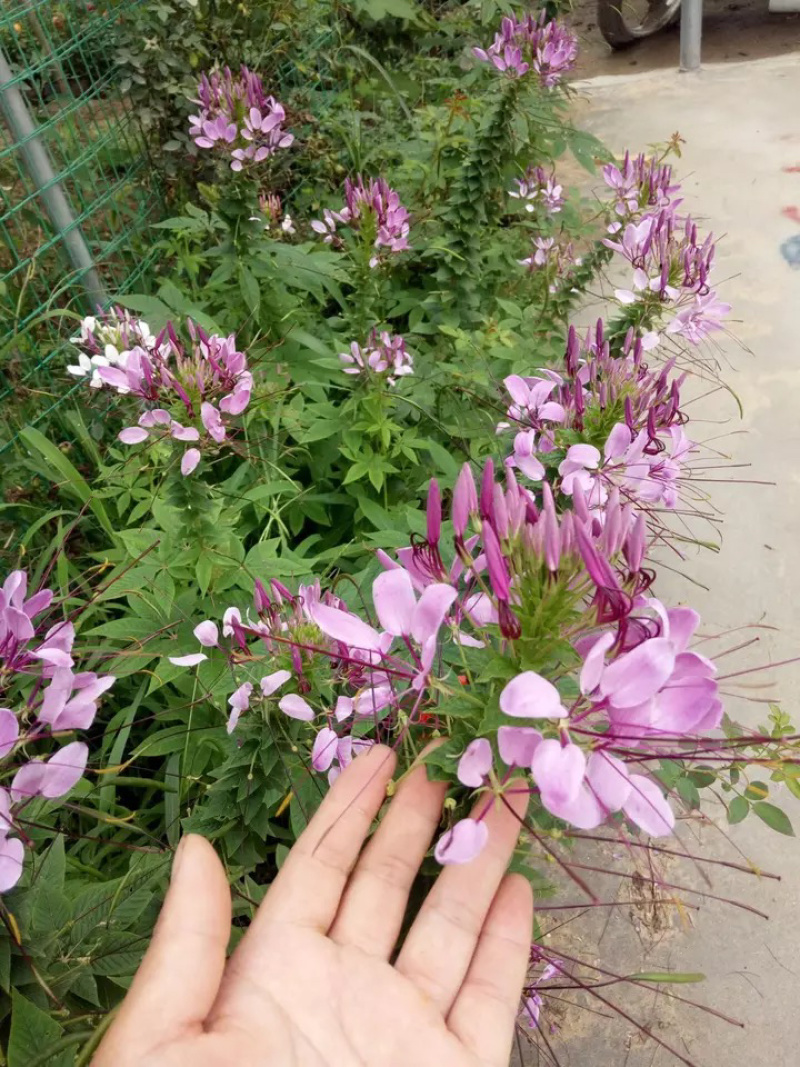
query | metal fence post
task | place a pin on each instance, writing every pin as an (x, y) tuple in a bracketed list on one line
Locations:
[(691, 33), (37, 161)]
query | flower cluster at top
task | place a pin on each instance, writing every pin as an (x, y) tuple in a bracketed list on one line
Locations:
[(383, 355), (547, 48), (237, 118), (627, 416), (41, 696), (535, 628), (185, 394), (670, 263), (105, 340), (536, 188), (375, 212)]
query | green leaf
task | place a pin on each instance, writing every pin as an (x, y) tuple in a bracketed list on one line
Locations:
[(204, 571), (55, 459), (154, 310), (669, 977), (33, 1031), (738, 809), (757, 791), (248, 286), (774, 817)]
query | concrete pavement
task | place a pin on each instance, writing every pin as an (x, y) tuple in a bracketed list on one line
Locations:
[(741, 174)]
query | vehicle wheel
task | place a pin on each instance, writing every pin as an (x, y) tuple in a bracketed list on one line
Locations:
[(622, 22)]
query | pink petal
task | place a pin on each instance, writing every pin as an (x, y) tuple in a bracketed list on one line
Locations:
[(648, 808), (344, 708), (394, 599), (594, 663), (462, 843), (517, 745), (189, 460), (53, 778), (530, 466), (184, 433), (558, 770), (476, 763), (9, 732), (637, 675), (347, 628), (518, 389), (270, 683), (583, 456), (207, 633), (608, 780), (240, 698), (529, 696), (133, 435), (12, 853), (682, 624), (296, 708), (429, 613), (324, 750), (188, 661), (583, 811), (617, 442)]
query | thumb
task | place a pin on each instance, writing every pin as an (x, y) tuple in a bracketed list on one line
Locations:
[(180, 974)]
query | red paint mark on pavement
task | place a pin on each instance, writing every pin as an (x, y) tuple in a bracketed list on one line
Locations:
[(792, 213), (795, 169)]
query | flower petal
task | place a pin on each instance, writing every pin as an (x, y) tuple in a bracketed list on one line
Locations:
[(429, 613), (637, 675), (324, 750), (558, 770), (133, 435), (394, 599), (188, 661), (270, 683), (648, 807), (462, 843), (476, 763), (529, 696), (296, 708), (347, 628), (189, 460), (207, 633), (517, 745)]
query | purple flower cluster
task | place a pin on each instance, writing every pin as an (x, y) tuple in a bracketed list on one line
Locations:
[(536, 188), (205, 383), (548, 48), (373, 209), (383, 355), (642, 455), (237, 118), (641, 184), (671, 264), (105, 340), (41, 696), (637, 689)]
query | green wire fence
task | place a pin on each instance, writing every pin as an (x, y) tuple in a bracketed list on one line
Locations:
[(75, 191)]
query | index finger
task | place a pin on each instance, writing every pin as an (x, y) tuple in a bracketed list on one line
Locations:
[(311, 881)]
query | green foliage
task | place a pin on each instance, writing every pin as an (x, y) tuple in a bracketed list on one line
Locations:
[(324, 467)]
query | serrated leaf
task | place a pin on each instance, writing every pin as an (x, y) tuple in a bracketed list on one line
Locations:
[(33, 1031)]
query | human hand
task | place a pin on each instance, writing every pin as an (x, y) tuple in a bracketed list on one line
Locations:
[(311, 983)]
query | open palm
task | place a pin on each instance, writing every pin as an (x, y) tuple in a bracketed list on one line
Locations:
[(311, 984)]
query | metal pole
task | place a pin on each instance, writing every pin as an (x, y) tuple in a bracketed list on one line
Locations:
[(37, 161), (691, 33)]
